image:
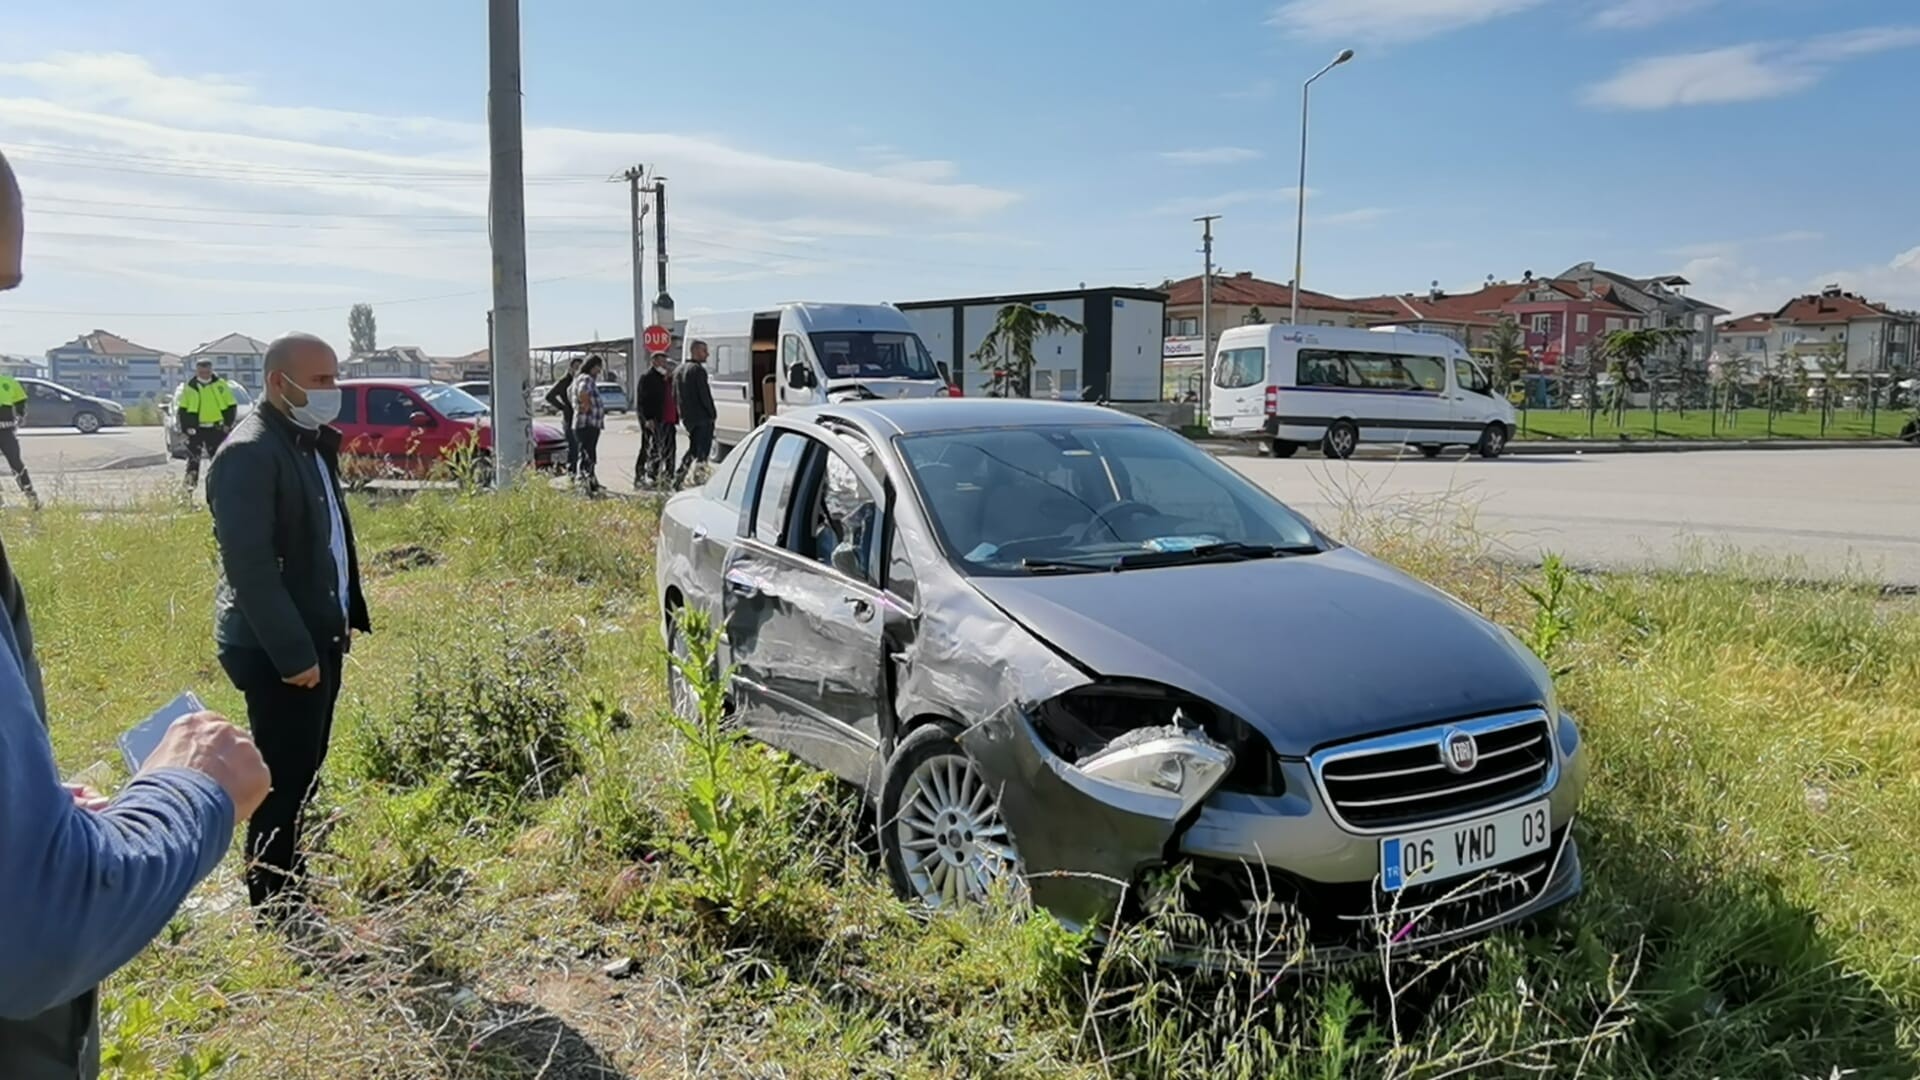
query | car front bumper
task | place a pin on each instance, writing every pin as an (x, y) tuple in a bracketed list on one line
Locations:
[(1092, 850)]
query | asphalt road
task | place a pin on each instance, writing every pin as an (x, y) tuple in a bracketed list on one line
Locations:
[(1831, 512), (1834, 512)]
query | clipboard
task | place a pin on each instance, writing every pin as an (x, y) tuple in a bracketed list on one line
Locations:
[(138, 742)]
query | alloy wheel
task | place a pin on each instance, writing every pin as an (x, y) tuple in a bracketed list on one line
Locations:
[(955, 846)]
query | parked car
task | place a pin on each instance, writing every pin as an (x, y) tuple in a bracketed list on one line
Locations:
[(613, 397), (479, 389), (50, 405), (170, 417), (1062, 646), (412, 427)]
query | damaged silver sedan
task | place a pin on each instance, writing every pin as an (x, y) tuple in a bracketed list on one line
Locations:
[(1067, 650)]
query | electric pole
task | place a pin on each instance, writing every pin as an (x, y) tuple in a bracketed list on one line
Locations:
[(1206, 316), (662, 304), (633, 177), (507, 229)]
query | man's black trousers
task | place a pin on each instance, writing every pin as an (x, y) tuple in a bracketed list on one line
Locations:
[(291, 726)]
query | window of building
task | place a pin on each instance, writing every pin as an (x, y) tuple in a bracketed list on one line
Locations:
[(1069, 383), (1184, 327), (1613, 324), (1580, 323), (1756, 344), (1542, 323)]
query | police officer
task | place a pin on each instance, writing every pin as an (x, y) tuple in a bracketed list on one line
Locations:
[(207, 410), (13, 411)]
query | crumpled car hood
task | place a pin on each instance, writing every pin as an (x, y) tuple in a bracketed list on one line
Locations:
[(1308, 649)]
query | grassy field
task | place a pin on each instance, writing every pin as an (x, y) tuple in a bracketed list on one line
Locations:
[(532, 872), (1704, 424)]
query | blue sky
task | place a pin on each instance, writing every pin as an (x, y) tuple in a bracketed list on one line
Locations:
[(205, 166)]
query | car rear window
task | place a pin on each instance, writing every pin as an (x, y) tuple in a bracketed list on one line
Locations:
[(1238, 369)]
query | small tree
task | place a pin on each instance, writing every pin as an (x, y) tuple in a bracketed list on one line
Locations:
[(1832, 363), (1629, 356), (1508, 352), (1007, 351), (1256, 317), (361, 335)]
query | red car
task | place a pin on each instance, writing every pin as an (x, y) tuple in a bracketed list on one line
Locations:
[(415, 427)]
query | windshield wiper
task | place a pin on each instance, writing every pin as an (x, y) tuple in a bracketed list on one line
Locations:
[(1226, 551), (1062, 566)]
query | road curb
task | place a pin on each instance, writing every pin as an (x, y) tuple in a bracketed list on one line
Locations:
[(137, 461)]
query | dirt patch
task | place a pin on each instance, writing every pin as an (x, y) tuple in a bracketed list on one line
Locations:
[(395, 560)]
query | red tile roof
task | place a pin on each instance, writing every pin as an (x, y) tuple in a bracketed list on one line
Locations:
[(1478, 308), (101, 343), (1244, 288), (1818, 309), (1758, 323)]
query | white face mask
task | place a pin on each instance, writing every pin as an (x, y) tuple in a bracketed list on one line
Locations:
[(322, 407)]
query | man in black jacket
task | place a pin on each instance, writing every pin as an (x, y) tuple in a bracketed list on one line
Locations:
[(658, 419), (560, 398), (289, 594), (695, 400)]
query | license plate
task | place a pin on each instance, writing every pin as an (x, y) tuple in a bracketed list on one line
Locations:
[(1454, 850)]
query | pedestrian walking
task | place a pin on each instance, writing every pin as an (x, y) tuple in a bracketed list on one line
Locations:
[(205, 410), (659, 422), (288, 598), (695, 400), (560, 397), (87, 882), (13, 413), (589, 417)]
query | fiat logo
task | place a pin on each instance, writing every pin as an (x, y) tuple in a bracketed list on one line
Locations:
[(1459, 752)]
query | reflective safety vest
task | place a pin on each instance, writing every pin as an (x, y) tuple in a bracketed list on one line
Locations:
[(11, 392), (209, 403)]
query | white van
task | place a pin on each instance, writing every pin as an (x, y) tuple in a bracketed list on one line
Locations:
[(783, 357), (1336, 388)]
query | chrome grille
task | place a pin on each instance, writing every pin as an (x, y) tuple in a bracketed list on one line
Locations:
[(1399, 780)]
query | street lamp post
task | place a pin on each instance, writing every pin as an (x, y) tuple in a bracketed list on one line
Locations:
[(1300, 218)]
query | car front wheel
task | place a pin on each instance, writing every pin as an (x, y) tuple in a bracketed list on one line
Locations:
[(87, 422), (1493, 441), (941, 834)]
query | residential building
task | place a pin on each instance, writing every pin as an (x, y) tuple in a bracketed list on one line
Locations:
[(237, 357), (1468, 318), (1868, 336), (108, 365), (1660, 302), (22, 367), (1562, 321), (471, 367), (392, 362), (1239, 299)]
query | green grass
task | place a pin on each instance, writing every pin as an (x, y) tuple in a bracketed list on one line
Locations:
[(506, 812), (1704, 424)]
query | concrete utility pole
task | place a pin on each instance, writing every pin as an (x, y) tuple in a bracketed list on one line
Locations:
[(633, 177), (507, 229), (1206, 315)]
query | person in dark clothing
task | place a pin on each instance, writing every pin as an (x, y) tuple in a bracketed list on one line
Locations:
[(13, 413), (589, 417), (86, 882), (695, 400), (659, 419), (288, 598), (560, 397)]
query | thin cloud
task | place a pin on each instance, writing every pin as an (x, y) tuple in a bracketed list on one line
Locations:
[(1640, 14), (1257, 90), (1754, 71), (1208, 204), (1388, 20), (1212, 155)]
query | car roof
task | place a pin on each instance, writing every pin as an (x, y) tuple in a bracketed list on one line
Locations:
[(375, 381), (914, 416)]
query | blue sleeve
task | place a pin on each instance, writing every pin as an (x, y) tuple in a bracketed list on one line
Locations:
[(81, 892)]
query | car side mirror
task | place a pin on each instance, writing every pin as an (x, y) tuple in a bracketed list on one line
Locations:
[(800, 377), (420, 420)]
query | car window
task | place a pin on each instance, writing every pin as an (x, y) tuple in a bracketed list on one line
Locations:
[(349, 405), (1000, 497), (389, 407), (1240, 368), (842, 520), (728, 484), (776, 487), (1470, 377)]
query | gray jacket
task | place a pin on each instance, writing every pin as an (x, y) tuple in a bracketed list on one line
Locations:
[(278, 591), (692, 395)]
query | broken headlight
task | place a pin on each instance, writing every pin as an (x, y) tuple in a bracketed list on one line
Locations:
[(1176, 760), (1084, 724)]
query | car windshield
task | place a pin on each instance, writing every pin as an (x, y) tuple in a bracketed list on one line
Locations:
[(451, 401), (873, 354), (1091, 497)]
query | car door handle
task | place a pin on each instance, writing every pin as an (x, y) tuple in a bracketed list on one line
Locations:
[(741, 585), (861, 607)]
